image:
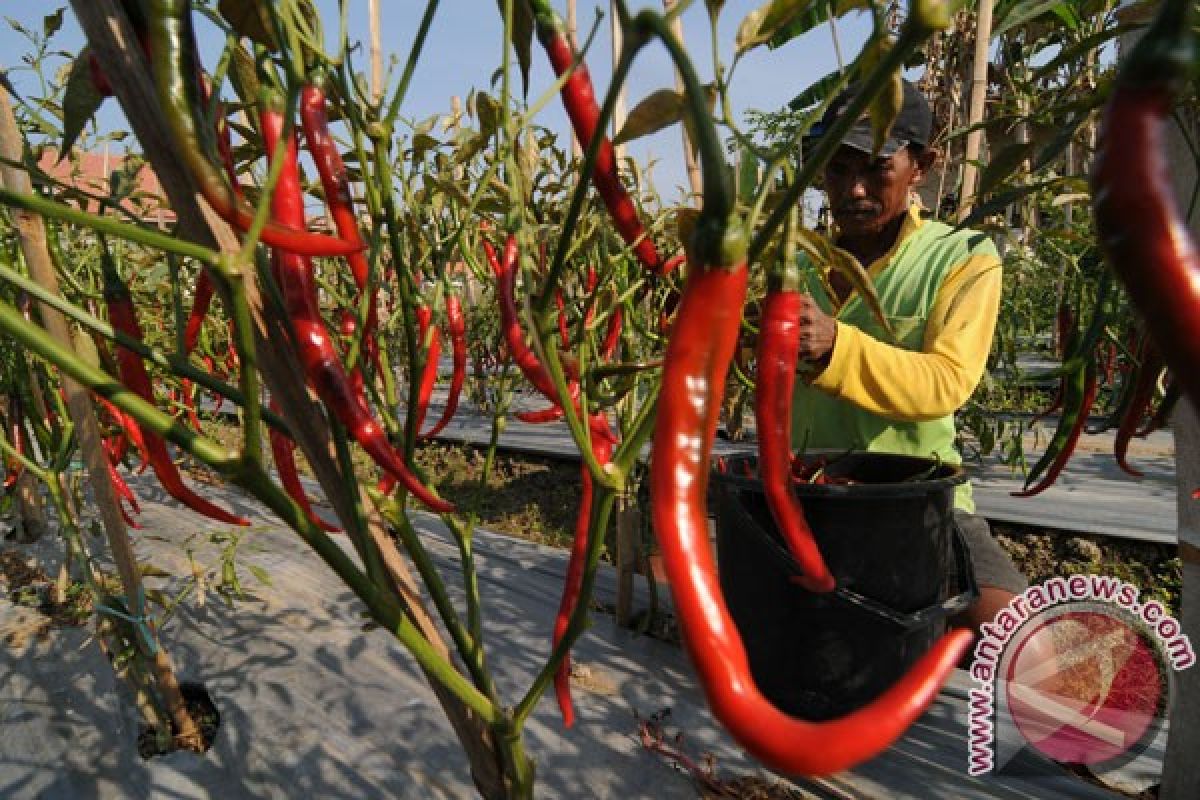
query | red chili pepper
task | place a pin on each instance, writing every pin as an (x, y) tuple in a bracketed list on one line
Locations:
[(123, 317), (602, 447), (131, 430), (433, 351), (612, 336), (564, 335), (175, 65), (283, 451), (698, 356), (1148, 369), (124, 495), (1144, 235), (335, 183), (457, 327), (525, 359), (778, 348), (314, 345), (579, 99)]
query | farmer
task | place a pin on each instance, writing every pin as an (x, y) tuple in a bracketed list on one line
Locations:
[(940, 289)]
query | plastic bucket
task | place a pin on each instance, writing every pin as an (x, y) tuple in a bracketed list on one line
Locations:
[(901, 565)]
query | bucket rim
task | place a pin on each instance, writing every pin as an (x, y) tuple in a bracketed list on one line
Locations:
[(956, 476)]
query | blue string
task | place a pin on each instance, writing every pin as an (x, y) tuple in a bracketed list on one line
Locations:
[(140, 624)]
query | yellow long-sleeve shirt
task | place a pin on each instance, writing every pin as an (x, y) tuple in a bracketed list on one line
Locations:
[(940, 289)]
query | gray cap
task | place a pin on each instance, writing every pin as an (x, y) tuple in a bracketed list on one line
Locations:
[(912, 126)]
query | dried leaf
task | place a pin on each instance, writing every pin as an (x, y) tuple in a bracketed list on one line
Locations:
[(656, 111)]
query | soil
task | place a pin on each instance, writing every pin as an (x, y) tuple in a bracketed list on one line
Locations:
[(203, 710)]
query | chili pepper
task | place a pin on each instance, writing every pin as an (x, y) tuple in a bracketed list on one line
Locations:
[(602, 447), (1144, 235), (612, 335), (131, 430), (456, 325), (1148, 370), (564, 335), (579, 99), (16, 435), (433, 351), (525, 359), (124, 495), (1165, 406), (123, 318), (1080, 394), (314, 345), (778, 349), (175, 68), (96, 74), (335, 183), (693, 380), (283, 451)]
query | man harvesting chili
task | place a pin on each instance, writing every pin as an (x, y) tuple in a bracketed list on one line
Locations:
[(940, 289)]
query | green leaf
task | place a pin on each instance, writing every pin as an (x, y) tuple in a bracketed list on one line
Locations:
[(1003, 164), (251, 19), (1076, 51), (487, 111), (656, 111), (80, 103), (52, 23), (1023, 12), (818, 14), (885, 106), (149, 570), (260, 574), (825, 254)]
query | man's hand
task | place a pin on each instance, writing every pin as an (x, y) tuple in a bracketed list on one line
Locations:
[(817, 333)]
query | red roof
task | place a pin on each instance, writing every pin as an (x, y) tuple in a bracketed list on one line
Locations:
[(90, 172)]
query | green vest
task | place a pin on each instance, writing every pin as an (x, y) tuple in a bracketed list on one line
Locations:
[(907, 286)]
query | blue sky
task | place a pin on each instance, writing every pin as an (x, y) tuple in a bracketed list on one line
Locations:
[(463, 51)]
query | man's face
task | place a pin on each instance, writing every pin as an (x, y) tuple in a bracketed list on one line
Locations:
[(866, 193)]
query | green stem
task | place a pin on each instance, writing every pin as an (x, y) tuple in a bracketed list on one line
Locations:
[(468, 648), (410, 66), (107, 225), (248, 379)]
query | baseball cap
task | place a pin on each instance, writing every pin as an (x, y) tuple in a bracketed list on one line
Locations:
[(912, 126)]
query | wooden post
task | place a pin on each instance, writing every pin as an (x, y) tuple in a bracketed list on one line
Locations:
[(618, 40), (695, 180), (376, 50), (983, 37), (573, 37), (1181, 779)]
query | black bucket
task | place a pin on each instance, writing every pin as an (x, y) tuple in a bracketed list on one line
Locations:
[(901, 564)]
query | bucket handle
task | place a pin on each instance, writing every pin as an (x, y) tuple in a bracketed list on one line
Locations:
[(968, 588), (968, 591)]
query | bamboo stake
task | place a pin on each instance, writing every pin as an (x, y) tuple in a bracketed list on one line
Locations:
[(31, 233), (376, 51), (979, 72), (695, 180)]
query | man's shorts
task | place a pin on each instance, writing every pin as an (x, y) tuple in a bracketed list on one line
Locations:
[(993, 566)]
